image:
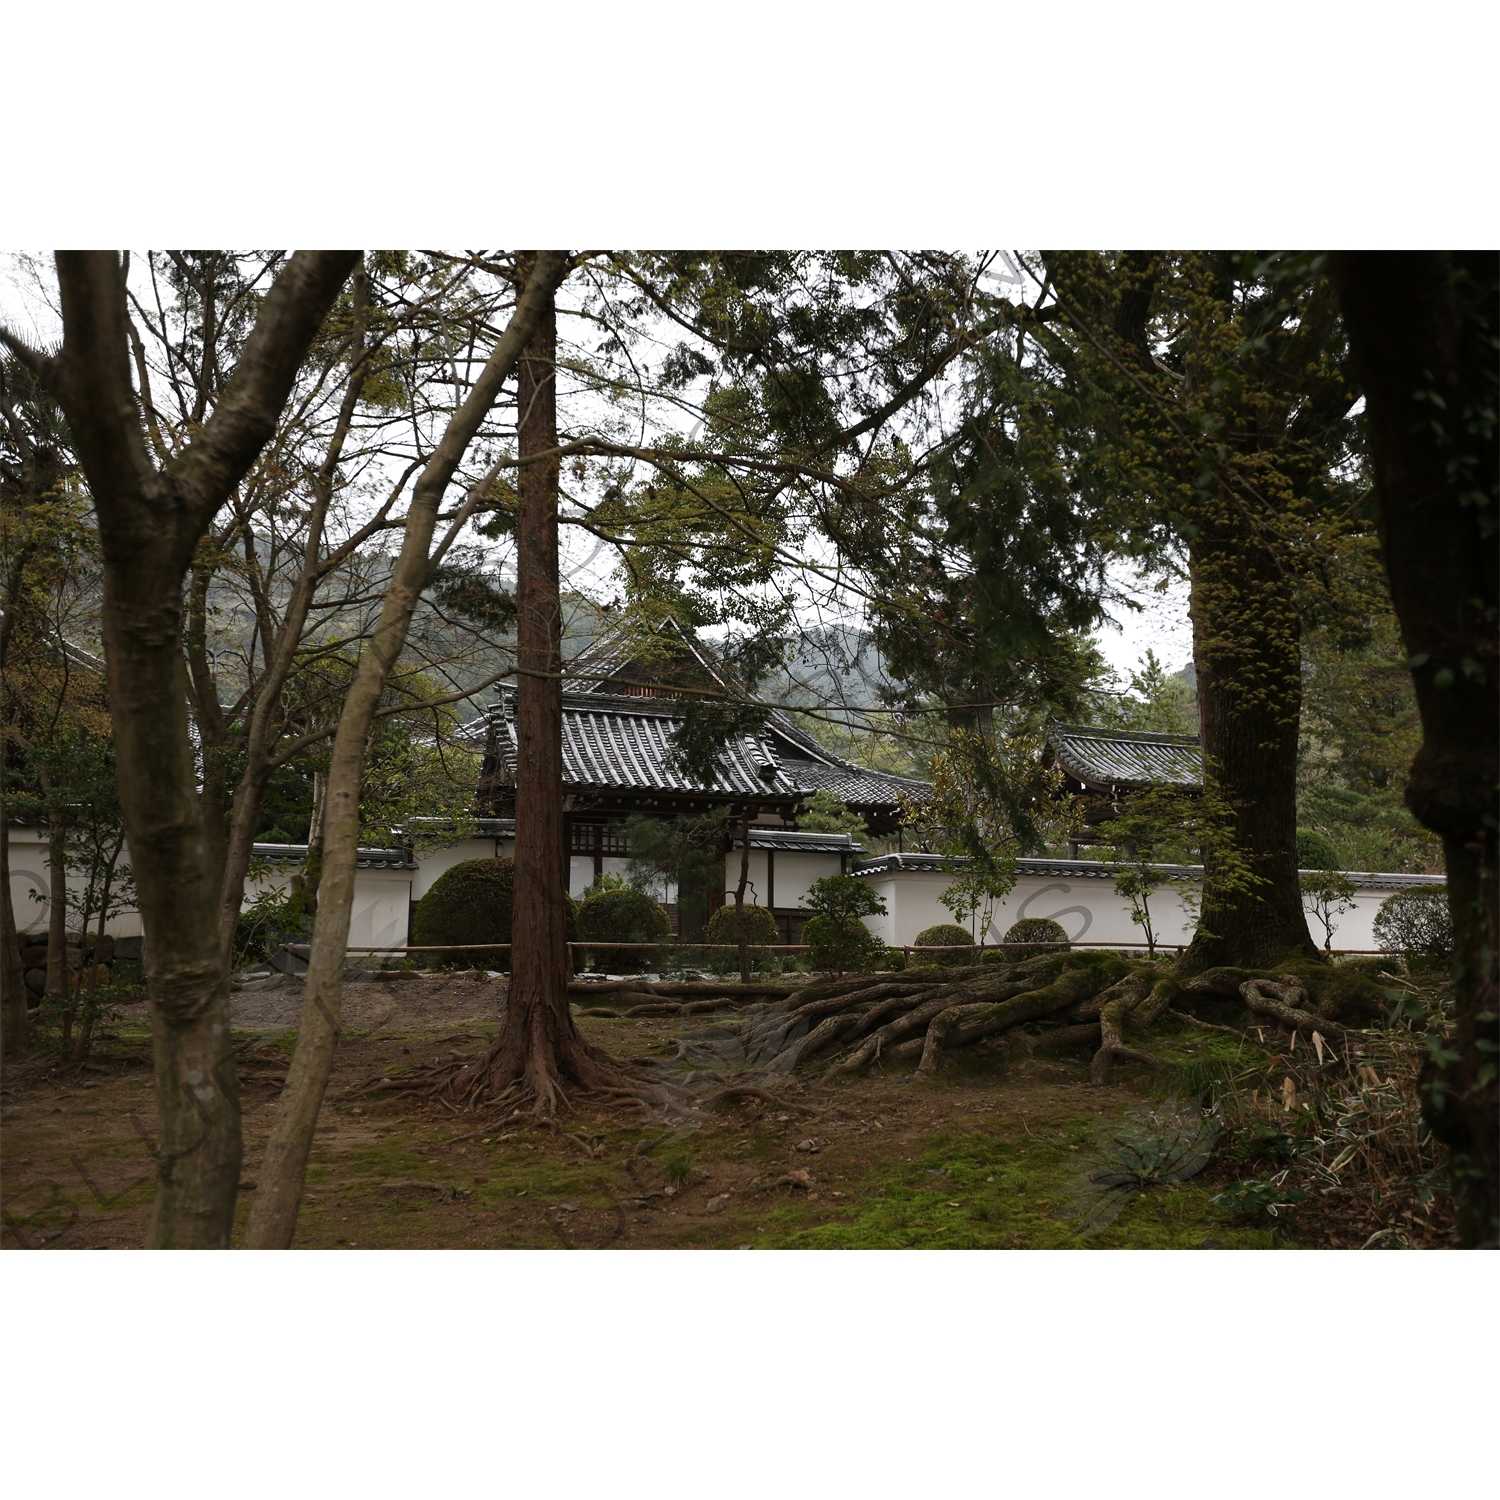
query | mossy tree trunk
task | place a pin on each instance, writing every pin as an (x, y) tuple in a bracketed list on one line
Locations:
[(1422, 331), (1246, 641)]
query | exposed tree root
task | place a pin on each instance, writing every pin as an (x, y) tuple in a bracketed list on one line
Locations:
[(1284, 1002)]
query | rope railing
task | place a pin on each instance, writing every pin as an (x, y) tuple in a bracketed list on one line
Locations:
[(301, 949)]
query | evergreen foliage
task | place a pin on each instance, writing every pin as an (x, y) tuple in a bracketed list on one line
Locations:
[(836, 933), (1032, 930), (1417, 925), (616, 912), (1315, 851), (945, 935), (760, 925), (471, 903)]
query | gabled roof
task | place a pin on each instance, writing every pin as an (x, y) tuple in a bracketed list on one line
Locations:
[(1104, 760), (619, 744)]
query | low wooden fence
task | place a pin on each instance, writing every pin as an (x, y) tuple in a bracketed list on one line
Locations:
[(1178, 949)]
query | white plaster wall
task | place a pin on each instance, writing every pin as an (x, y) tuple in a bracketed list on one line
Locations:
[(28, 872), (435, 862), (1088, 909), (796, 869), (755, 886), (381, 914)]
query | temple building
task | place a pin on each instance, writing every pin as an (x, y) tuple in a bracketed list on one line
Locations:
[(619, 719)]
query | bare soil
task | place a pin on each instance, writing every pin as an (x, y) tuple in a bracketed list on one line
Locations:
[(984, 1157)]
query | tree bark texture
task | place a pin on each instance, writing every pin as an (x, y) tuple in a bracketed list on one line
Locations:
[(56, 986), (150, 523), (539, 1048), (273, 1219), (1422, 332), (14, 1025), (741, 935), (1246, 654)]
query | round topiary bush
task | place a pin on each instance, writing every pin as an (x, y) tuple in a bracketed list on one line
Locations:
[(1417, 925), (471, 903), (1037, 930), (760, 926), (1315, 851), (945, 935), (622, 915)]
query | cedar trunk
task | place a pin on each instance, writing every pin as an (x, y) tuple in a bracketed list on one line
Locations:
[(14, 1026), (273, 1220), (1246, 652), (1422, 329), (741, 936), (539, 1048)]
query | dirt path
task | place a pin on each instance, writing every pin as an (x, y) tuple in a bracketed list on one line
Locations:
[(988, 1157)]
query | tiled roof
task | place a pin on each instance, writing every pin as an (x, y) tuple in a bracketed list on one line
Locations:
[(796, 840), (854, 786), (1089, 869), (625, 744), (366, 859), (1105, 758)]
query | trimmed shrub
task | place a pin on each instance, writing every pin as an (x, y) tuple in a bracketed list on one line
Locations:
[(945, 935), (760, 925), (840, 946), (471, 903), (1315, 851), (1417, 925), (627, 915), (1037, 930)]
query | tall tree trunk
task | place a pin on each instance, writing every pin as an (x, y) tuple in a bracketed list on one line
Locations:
[(539, 1047), (14, 1025), (273, 1219), (1422, 329), (741, 935), (56, 987), (150, 524), (1247, 656)]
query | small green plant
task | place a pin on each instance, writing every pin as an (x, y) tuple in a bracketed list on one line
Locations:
[(1254, 1199), (678, 1167), (1170, 1144), (1328, 894)]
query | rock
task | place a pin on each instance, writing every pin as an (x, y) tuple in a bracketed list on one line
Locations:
[(1210, 1244), (36, 981), (35, 957), (809, 1145), (131, 948)]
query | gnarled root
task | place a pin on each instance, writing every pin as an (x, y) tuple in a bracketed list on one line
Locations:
[(958, 1025), (1285, 1002), (1143, 1001)]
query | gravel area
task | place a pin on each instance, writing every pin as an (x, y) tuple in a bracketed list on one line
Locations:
[(371, 1003)]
